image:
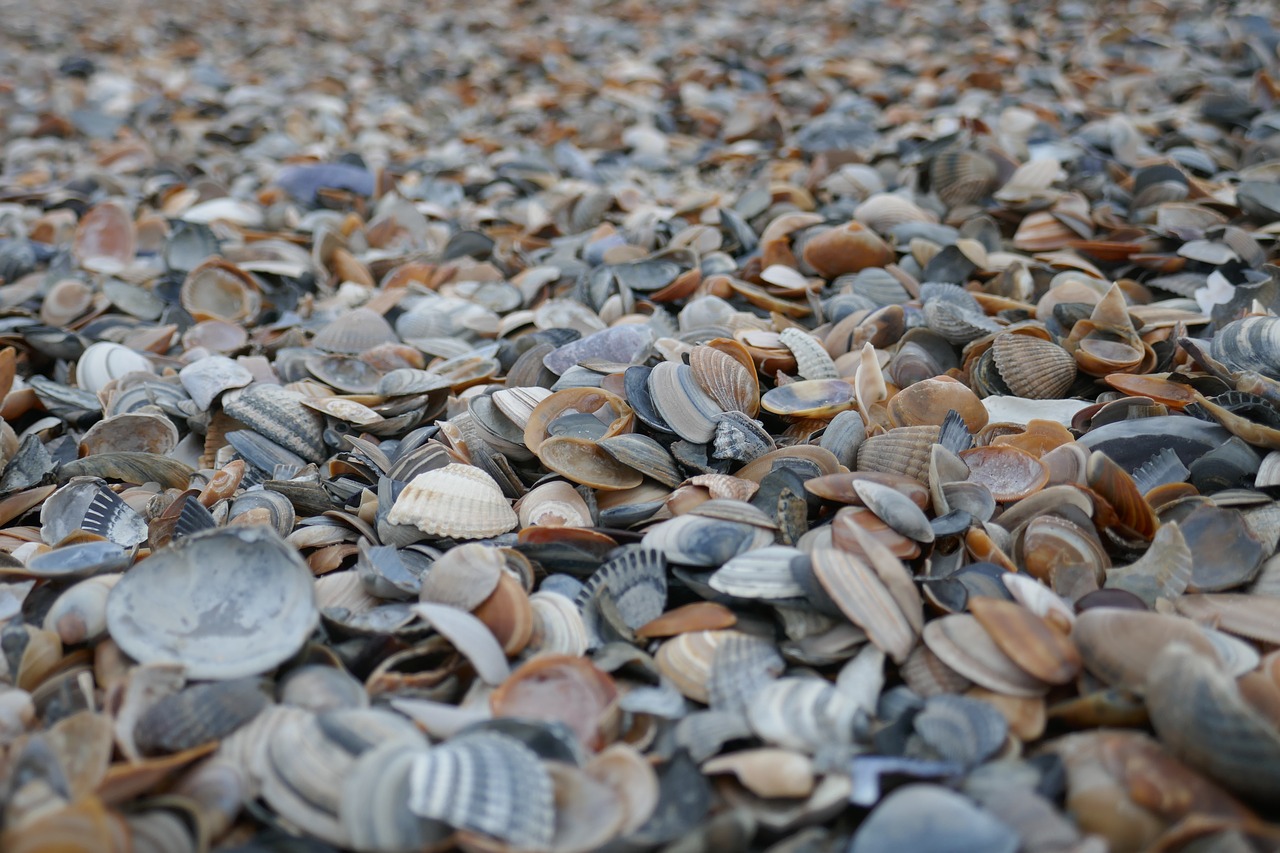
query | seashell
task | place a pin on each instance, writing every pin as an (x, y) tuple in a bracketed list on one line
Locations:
[(740, 669), (554, 504), (1119, 646), (586, 462), (681, 402), (1163, 571), (273, 507), (79, 614), (373, 806), (278, 415), (644, 455), (1034, 644), (1008, 473), (588, 814), (931, 819), (694, 540), (623, 344), (810, 398), (471, 637), (760, 573), (1034, 368), (882, 212), (687, 659), (741, 438), (1198, 711), (564, 689), (929, 401), (104, 361), (355, 332), (895, 509), (812, 360), (463, 577), (957, 728), (863, 598), (699, 616), (726, 372), (487, 783), (157, 612), (197, 715), (845, 249), (74, 562), (902, 450), (962, 177), (318, 687), (630, 589), (623, 770), (767, 772), (105, 238), (805, 714), (962, 644), (206, 378), (558, 627), (131, 432), (507, 614), (457, 500), (346, 373), (1249, 344), (219, 290)]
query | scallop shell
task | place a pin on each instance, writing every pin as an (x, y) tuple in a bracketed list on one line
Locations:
[(1032, 367), (903, 450), (355, 332), (882, 212), (457, 500), (488, 783), (197, 715), (962, 177), (730, 383)]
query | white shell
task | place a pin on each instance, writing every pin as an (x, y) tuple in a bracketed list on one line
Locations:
[(104, 361), (456, 500)]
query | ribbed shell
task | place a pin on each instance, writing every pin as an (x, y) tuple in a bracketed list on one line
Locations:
[(689, 410), (725, 380), (882, 211), (1251, 343), (198, 715), (904, 450), (488, 783), (741, 438), (354, 332), (1033, 367), (458, 501), (812, 360), (278, 414), (962, 177)]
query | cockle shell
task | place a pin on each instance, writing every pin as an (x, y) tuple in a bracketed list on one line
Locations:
[(457, 500)]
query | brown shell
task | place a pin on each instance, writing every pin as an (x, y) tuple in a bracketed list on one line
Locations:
[(1032, 367), (726, 379), (903, 450)]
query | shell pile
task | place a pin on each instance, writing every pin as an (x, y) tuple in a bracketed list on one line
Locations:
[(670, 426)]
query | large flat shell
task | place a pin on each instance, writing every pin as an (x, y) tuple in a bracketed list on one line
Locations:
[(225, 604)]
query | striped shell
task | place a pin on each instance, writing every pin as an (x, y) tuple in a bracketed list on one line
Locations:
[(904, 450), (277, 413), (812, 360), (354, 332), (962, 177), (457, 500), (1251, 343), (1033, 367)]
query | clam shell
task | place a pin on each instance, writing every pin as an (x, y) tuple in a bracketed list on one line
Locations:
[(160, 612), (355, 332), (1034, 368), (1163, 571), (932, 819), (962, 644), (278, 415), (457, 501), (206, 378), (554, 504), (464, 576), (644, 455), (104, 361), (487, 783), (741, 668), (761, 573), (859, 593), (957, 728), (635, 586), (1032, 643), (558, 627), (726, 379), (1197, 710), (806, 714), (1119, 646), (846, 249), (374, 810), (197, 715), (812, 398), (694, 540), (903, 450), (682, 403), (219, 290)]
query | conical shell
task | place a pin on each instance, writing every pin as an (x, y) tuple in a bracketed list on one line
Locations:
[(457, 500)]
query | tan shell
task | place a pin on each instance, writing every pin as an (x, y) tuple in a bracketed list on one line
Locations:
[(962, 644), (687, 659), (1034, 368), (458, 501), (857, 591), (927, 402), (812, 359), (846, 248), (904, 450), (219, 290), (554, 504), (1032, 643), (726, 379), (882, 211), (463, 577)]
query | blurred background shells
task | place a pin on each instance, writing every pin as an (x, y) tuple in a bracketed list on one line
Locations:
[(530, 427)]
